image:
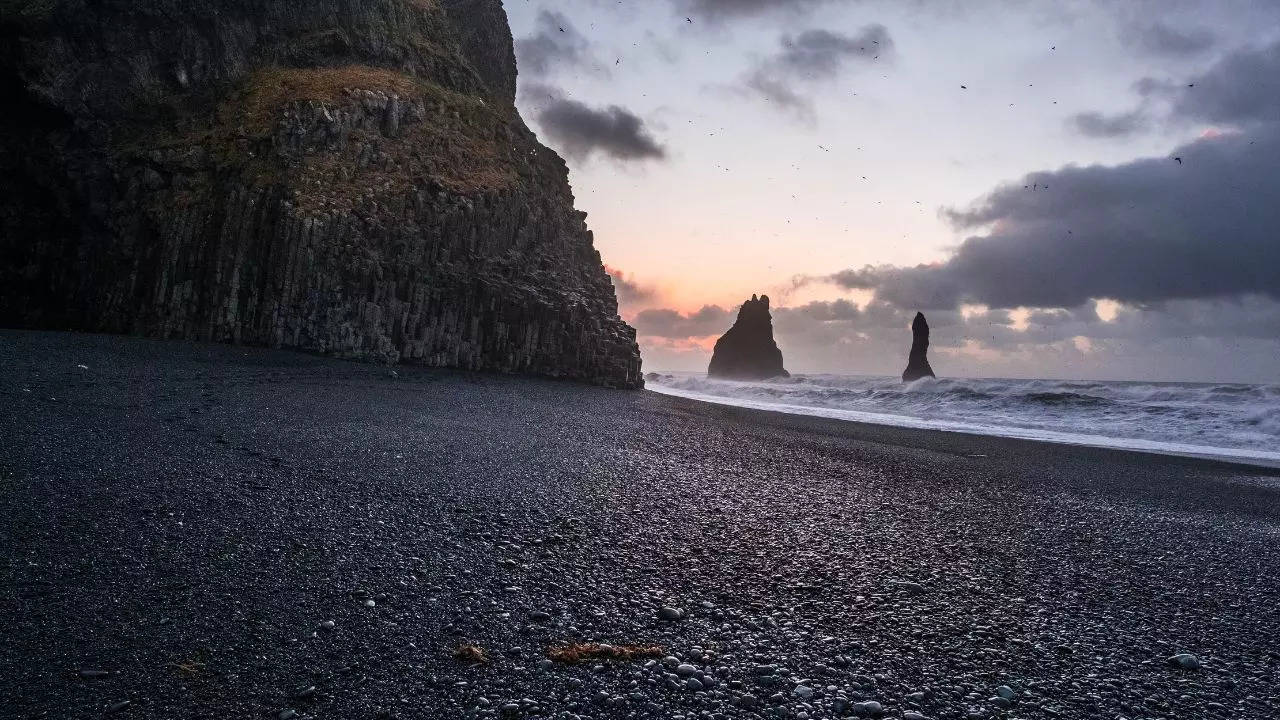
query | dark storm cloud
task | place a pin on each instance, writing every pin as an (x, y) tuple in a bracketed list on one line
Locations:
[(824, 311), (1142, 232), (668, 323), (1241, 89), (810, 56), (555, 43), (1249, 316), (1097, 125), (1162, 39), (580, 131), (1148, 231)]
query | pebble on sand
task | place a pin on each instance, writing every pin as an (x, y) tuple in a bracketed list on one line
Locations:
[(870, 708), (1185, 661)]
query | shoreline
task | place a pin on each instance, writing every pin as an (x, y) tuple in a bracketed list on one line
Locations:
[(1230, 456), (213, 530)]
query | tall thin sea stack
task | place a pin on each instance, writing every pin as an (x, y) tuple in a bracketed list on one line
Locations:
[(918, 362), (747, 351)]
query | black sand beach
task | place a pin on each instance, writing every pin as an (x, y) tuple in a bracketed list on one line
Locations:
[(189, 518)]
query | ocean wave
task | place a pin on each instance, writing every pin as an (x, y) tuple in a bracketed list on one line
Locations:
[(1057, 399), (1232, 419)]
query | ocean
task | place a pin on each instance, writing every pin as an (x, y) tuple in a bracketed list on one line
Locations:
[(1230, 421)]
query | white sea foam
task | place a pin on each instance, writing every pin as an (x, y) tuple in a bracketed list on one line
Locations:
[(1229, 421)]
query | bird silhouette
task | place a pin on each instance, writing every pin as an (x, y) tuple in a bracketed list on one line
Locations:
[(1179, 160)]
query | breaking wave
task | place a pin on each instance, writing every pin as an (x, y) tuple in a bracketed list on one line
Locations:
[(1223, 420)]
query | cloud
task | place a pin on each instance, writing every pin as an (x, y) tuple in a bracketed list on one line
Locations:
[(555, 43), (1149, 87), (1241, 89), (1144, 232), (1159, 38), (731, 9), (629, 292), (1097, 125), (812, 56), (580, 131), (672, 324)]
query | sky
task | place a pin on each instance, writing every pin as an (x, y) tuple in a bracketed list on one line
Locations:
[(1066, 189)]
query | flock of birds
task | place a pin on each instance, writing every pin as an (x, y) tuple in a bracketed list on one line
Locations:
[(1034, 187)]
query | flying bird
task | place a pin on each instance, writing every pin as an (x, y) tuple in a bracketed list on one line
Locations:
[(1179, 160), (962, 87)]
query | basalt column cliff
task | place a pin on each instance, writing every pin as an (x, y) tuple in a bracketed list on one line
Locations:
[(348, 177)]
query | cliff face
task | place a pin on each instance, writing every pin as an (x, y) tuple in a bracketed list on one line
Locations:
[(347, 177), (918, 360), (747, 351)]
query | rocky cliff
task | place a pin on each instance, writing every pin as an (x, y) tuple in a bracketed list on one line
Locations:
[(918, 360), (747, 351), (348, 177)]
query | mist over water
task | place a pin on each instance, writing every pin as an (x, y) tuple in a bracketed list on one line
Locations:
[(1235, 421)]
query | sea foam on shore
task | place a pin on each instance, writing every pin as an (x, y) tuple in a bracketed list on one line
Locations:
[(1230, 421)]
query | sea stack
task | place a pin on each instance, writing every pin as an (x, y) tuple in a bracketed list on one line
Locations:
[(747, 351), (918, 362)]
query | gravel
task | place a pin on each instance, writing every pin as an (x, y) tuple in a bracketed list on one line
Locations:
[(199, 528)]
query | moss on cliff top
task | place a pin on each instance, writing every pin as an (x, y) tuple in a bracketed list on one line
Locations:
[(258, 104), (458, 141)]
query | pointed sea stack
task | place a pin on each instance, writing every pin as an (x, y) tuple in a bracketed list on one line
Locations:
[(918, 362), (747, 351)]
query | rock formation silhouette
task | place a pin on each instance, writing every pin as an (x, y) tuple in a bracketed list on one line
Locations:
[(747, 351), (918, 362), (347, 177)]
